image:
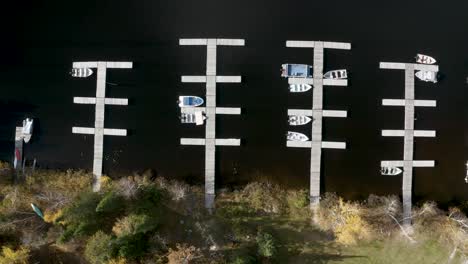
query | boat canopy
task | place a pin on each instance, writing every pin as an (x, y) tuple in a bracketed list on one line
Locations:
[(296, 70)]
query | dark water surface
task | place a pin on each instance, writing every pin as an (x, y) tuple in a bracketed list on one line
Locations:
[(41, 39)]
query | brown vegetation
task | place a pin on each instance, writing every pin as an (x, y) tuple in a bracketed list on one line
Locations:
[(138, 219)]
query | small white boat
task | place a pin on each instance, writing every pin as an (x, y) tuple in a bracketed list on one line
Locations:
[(427, 76), (295, 136), (27, 129), (298, 120), (336, 74), (81, 72), (390, 171), (190, 101), (424, 59), (299, 88), (197, 118)]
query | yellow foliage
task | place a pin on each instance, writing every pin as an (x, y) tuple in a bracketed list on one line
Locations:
[(106, 181), (345, 219), (10, 256), (51, 216)]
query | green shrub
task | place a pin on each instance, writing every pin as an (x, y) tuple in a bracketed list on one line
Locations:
[(111, 203), (266, 245), (297, 199), (132, 246), (148, 199), (134, 224), (81, 218), (99, 248)]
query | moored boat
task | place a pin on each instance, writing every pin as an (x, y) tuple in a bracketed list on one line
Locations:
[(298, 120), (81, 72), (27, 129), (190, 101), (299, 87), (295, 136), (197, 118), (390, 171), (296, 70), (424, 59), (336, 74), (427, 76)]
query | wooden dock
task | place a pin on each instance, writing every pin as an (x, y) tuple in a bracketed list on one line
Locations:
[(100, 101), (317, 113), (210, 141), (409, 132)]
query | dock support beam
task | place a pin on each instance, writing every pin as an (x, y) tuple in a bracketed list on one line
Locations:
[(317, 113), (409, 132), (100, 101), (210, 141)]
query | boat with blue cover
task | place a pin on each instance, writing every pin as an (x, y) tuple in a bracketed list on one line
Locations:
[(190, 101)]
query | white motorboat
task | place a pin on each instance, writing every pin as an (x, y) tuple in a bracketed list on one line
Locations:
[(299, 88), (427, 76), (81, 72), (197, 118), (336, 74), (424, 59), (390, 171), (190, 101), (27, 129), (295, 136), (298, 120)]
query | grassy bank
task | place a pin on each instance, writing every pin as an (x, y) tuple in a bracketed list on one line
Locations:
[(141, 219)]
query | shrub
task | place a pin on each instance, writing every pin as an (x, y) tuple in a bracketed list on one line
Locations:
[(265, 197), (297, 199), (148, 199), (134, 224), (183, 254), (344, 219), (10, 256), (111, 203), (132, 246), (81, 218), (99, 248), (266, 245)]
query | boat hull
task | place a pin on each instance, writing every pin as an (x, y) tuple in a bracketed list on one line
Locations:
[(336, 74), (190, 101), (299, 88), (299, 120), (295, 136), (81, 72), (426, 76), (424, 59), (390, 171)]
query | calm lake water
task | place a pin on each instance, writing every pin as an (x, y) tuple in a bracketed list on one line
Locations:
[(41, 40)]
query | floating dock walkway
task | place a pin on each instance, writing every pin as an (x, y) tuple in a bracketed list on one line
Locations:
[(210, 141), (409, 132), (100, 101), (317, 113)]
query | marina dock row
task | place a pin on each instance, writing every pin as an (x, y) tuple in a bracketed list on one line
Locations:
[(317, 112), (210, 141), (100, 101), (408, 134)]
